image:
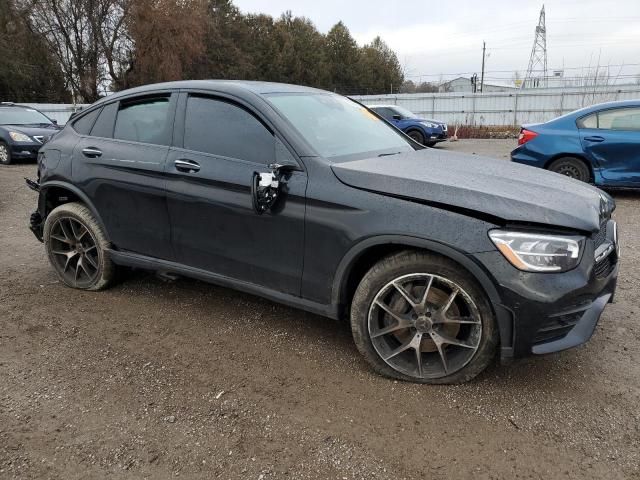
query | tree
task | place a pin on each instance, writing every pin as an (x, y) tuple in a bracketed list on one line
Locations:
[(167, 37), (379, 68), (342, 58), (28, 71)]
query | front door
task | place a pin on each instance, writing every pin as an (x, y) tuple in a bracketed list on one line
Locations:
[(611, 139), (214, 225)]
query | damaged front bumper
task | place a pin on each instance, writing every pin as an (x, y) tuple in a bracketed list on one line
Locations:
[(36, 222)]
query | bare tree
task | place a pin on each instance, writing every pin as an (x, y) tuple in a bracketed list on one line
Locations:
[(89, 39)]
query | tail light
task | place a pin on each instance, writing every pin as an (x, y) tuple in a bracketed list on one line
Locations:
[(525, 136)]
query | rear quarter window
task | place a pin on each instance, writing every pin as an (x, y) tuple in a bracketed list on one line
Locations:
[(84, 124)]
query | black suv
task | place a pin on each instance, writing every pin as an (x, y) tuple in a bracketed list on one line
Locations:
[(308, 198), (23, 130)]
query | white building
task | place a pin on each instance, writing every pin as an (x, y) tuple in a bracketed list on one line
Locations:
[(464, 84)]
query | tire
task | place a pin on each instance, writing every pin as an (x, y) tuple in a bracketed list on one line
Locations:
[(417, 136), (70, 228), (571, 167), (5, 154), (471, 327)]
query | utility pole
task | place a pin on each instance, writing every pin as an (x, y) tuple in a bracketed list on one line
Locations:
[(484, 49)]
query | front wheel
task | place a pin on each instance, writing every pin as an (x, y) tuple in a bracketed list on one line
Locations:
[(420, 317), (77, 248), (5, 154), (417, 136)]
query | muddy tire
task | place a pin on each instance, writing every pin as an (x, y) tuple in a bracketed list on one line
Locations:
[(78, 248), (422, 318)]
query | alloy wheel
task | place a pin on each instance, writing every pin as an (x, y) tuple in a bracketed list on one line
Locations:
[(74, 251), (4, 153), (424, 326)]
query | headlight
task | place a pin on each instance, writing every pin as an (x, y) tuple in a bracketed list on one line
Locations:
[(19, 137), (538, 253), (429, 124)]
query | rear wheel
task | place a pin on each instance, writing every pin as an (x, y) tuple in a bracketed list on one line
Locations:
[(5, 154), (420, 317), (571, 167), (77, 248), (417, 136)]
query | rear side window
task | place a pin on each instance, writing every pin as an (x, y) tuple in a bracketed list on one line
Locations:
[(104, 125), (590, 121), (83, 124), (222, 128), (144, 120)]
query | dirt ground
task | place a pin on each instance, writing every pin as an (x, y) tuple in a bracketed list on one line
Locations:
[(159, 380)]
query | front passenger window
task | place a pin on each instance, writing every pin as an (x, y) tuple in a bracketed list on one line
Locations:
[(222, 128), (145, 121)]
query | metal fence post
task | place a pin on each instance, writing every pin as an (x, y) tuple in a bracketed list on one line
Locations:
[(515, 109)]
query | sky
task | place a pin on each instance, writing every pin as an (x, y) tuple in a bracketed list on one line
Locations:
[(437, 40)]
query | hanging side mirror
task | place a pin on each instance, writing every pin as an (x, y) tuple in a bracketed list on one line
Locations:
[(266, 186)]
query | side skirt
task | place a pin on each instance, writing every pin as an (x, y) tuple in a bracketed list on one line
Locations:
[(128, 259)]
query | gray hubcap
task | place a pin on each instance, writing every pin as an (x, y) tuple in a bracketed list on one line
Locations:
[(424, 325)]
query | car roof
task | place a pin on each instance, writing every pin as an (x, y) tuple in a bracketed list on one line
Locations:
[(229, 86), (606, 105), (381, 106)]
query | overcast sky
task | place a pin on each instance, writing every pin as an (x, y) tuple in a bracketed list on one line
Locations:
[(445, 37)]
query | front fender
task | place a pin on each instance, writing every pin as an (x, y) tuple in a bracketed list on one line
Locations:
[(503, 316)]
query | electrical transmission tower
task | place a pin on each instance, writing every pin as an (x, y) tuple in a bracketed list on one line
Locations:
[(537, 71)]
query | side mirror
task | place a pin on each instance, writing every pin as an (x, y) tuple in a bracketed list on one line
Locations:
[(266, 186), (54, 121), (397, 117)]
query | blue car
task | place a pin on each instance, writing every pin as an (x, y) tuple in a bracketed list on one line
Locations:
[(422, 130), (598, 144)]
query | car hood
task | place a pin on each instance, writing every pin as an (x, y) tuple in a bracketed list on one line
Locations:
[(437, 122), (470, 183)]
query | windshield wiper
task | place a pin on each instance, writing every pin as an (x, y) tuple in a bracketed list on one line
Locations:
[(388, 154)]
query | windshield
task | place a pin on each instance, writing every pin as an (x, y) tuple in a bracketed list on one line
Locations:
[(404, 112), (22, 116), (337, 127)]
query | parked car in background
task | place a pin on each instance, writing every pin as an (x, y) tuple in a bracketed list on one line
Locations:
[(439, 260), (423, 130), (23, 130), (598, 144)]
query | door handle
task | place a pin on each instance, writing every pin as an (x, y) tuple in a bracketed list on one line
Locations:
[(186, 165), (91, 152), (595, 138)]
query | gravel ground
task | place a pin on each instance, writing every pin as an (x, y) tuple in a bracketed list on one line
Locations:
[(158, 380)]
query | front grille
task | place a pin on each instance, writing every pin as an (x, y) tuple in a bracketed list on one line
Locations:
[(601, 236), (604, 267), (556, 328)]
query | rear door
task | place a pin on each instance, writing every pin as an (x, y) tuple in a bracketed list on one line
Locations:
[(214, 225), (611, 139), (120, 166)]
